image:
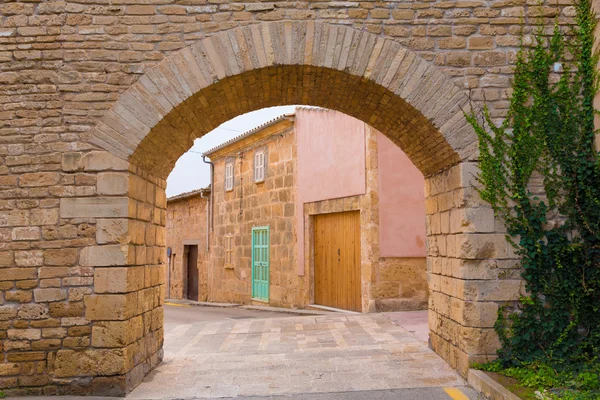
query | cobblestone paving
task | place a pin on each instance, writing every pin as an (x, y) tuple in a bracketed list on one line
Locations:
[(318, 354)]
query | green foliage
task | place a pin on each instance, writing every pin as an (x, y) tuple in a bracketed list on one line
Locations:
[(541, 174), (566, 383)]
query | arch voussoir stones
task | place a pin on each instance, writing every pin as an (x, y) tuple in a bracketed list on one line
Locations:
[(313, 49)]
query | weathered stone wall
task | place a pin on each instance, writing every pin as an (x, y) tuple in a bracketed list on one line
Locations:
[(400, 284), (80, 309), (77, 78), (250, 204), (471, 268), (80, 55), (186, 224)]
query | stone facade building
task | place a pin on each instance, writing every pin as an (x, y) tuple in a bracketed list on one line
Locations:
[(187, 234), (99, 100), (269, 177)]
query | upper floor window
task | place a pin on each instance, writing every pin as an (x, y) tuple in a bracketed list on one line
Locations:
[(259, 166), (229, 251), (229, 176)]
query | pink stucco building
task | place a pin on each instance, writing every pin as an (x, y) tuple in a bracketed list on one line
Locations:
[(314, 208)]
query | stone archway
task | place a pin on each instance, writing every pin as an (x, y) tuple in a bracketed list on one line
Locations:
[(232, 72)]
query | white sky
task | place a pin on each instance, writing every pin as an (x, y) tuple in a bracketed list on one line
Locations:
[(191, 173)]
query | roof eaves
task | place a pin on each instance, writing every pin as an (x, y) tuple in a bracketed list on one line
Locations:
[(186, 195), (248, 133)]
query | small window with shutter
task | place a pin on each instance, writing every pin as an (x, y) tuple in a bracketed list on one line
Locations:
[(259, 166), (229, 251), (228, 177)]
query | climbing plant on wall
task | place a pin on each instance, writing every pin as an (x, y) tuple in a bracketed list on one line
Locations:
[(541, 174)]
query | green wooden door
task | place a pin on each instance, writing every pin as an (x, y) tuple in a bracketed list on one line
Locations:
[(260, 263)]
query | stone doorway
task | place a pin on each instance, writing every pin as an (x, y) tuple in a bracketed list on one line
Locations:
[(191, 254)]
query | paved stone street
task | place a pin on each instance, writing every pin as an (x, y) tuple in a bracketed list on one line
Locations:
[(211, 352)]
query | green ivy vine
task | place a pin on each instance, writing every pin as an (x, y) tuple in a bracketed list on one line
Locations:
[(540, 172)]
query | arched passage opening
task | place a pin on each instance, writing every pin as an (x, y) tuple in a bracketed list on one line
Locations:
[(196, 89)]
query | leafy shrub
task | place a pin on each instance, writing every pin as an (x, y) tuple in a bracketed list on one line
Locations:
[(548, 137), (551, 337)]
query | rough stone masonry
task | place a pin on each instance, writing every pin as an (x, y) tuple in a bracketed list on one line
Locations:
[(99, 98)]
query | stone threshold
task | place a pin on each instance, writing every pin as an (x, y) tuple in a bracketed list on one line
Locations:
[(488, 387), (333, 309), (296, 311), (186, 302)]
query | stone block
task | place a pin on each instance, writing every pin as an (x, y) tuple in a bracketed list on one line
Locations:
[(80, 331), (71, 309), (54, 333), (18, 296), (29, 258), (15, 274), (28, 356), (148, 299), (107, 255), (24, 334), (117, 333), (71, 162), (76, 342), (39, 179), (111, 307), (91, 362), (479, 220), (474, 269), (112, 231), (54, 272), (25, 233), (488, 290), (49, 295), (44, 216), (154, 275), (111, 386), (46, 344), (60, 257), (103, 161), (112, 183), (476, 313), (7, 258), (480, 246), (93, 207), (478, 340), (78, 293), (118, 280), (31, 312), (7, 369), (8, 312)]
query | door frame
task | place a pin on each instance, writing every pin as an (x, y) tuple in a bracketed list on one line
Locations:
[(254, 229), (186, 243), (312, 253), (187, 252), (330, 206)]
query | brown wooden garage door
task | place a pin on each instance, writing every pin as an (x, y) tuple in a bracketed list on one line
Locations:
[(337, 260)]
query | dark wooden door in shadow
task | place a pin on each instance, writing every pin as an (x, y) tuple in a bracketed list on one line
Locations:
[(192, 273)]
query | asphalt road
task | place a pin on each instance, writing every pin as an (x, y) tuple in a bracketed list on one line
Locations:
[(397, 394)]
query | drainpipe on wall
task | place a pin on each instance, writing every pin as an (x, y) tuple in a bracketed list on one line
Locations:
[(207, 218), (212, 190)]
